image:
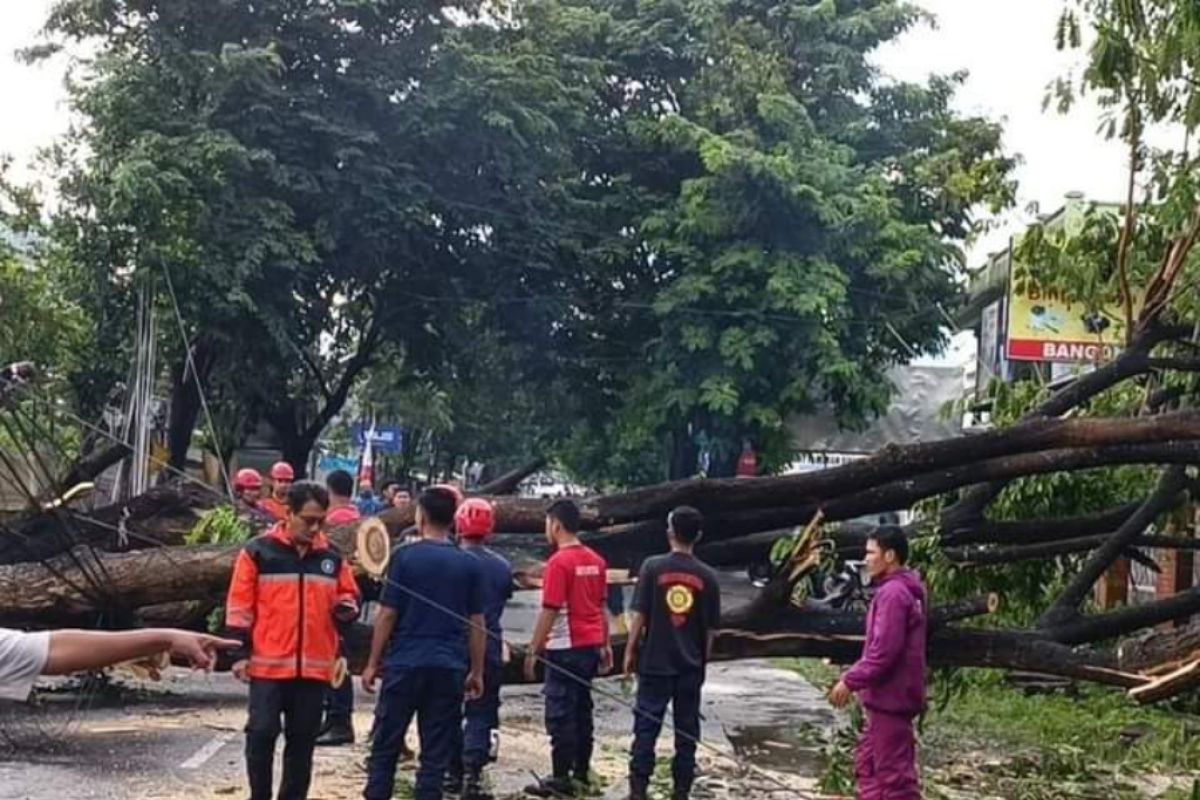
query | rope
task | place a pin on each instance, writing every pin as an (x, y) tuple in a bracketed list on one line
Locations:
[(617, 698)]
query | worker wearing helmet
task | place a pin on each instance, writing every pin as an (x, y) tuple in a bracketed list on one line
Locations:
[(247, 487), (474, 521), (282, 477)]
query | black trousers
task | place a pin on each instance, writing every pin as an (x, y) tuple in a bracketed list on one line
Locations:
[(435, 696), (293, 707), (654, 693), (568, 691)]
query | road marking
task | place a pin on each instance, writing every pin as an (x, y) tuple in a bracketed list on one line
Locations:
[(210, 749)]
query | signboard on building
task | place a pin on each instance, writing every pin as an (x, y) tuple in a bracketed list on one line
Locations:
[(387, 438), (990, 357), (1047, 325)]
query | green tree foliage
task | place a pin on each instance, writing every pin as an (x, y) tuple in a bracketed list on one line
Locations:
[(1027, 587), (674, 223), (1142, 62), (304, 173), (776, 223)]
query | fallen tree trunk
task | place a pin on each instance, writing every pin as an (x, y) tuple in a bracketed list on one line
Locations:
[(1157, 647), (739, 507), (894, 478), (83, 584), (948, 646)]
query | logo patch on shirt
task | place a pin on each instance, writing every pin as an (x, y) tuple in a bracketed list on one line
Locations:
[(680, 601), (327, 566), (587, 571)]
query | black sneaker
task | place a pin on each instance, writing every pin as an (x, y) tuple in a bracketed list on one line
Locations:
[(473, 789), (552, 787), (452, 785), (336, 735)]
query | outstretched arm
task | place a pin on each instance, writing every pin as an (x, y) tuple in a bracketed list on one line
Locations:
[(77, 651)]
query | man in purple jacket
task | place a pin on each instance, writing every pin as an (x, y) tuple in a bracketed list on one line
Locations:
[(890, 677)]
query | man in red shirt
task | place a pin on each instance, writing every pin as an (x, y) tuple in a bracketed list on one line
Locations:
[(571, 634)]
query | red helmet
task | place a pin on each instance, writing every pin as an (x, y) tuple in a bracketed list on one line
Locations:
[(247, 478), (475, 518), (282, 471), (452, 489)]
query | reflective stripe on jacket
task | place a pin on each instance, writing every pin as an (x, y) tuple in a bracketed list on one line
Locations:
[(282, 603)]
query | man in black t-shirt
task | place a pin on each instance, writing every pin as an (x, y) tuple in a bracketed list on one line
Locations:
[(676, 608)]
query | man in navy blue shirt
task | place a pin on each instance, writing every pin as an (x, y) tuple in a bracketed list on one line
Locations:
[(432, 628), (474, 522)]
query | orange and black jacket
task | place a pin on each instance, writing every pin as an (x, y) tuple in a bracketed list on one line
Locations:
[(277, 509), (281, 604)]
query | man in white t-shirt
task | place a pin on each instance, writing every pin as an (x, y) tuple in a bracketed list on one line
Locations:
[(25, 656)]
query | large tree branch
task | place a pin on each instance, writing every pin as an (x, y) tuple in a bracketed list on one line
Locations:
[(92, 465), (1176, 363), (1135, 360), (1161, 499), (336, 400), (1035, 531), (989, 556), (895, 463), (314, 369), (793, 499), (1101, 627)]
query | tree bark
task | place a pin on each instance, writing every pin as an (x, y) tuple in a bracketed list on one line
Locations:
[(791, 500), (1034, 531), (991, 556), (1158, 647), (87, 468), (1100, 627), (60, 592), (1067, 604), (162, 516)]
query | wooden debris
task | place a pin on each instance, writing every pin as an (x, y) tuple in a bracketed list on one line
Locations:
[(1168, 685)]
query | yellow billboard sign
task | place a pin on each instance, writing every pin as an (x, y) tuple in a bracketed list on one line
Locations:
[(1048, 325)]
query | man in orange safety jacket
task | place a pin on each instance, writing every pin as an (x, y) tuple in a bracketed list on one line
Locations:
[(290, 590), (282, 476)]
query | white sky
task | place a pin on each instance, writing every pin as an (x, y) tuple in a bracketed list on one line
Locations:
[(1007, 46), (31, 98)]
